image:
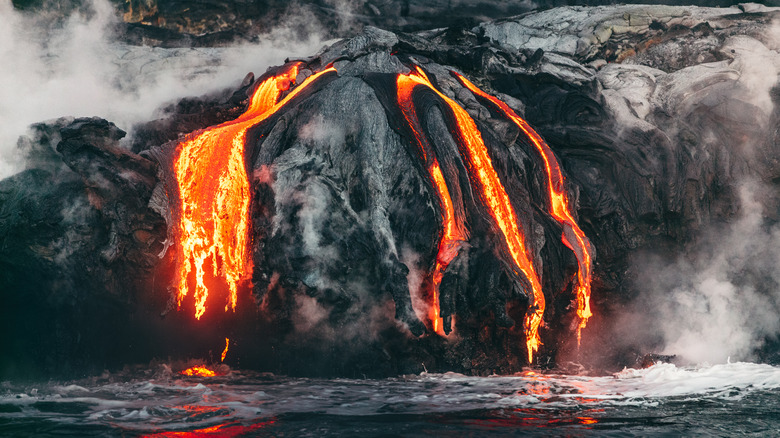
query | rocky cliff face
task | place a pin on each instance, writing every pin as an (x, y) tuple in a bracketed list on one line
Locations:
[(657, 116)]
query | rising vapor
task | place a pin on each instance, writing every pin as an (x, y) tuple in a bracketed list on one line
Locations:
[(78, 66)]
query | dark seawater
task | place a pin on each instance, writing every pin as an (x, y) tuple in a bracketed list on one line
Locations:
[(720, 400)]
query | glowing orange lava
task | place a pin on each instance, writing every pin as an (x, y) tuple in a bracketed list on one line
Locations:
[(199, 370), (559, 205), (215, 194), (224, 352), (453, 232), (486, 182)]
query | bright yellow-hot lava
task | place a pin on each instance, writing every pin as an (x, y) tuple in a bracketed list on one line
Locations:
[(559, 205), (215, 194), (224, 352), (487, 184)]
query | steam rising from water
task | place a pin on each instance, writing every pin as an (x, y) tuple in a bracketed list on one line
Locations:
[(79, 68), (722, 301)]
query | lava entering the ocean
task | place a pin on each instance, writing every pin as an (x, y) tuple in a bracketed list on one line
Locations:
[(215, 194), (199, 370), (559, 204), (225, 351), (484, 179)]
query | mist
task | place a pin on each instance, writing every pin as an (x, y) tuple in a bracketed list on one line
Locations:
[(719, 300), (78, 67)]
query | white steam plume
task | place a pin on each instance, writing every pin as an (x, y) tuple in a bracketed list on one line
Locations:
[(80, 69), (722, 300), (727, 301)]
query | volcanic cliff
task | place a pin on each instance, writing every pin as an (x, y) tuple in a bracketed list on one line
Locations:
[(367, 208)]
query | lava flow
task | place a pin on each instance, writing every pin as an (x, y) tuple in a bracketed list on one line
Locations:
[(559, 204), (453, 232), (199, 370), (485, 181), (224, 352), (215, 194)]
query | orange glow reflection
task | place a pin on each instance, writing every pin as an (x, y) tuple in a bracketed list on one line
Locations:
[(532, 418)]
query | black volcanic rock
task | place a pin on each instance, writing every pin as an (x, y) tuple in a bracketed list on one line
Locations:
[(655, 113), (216, 22), (76, 241)]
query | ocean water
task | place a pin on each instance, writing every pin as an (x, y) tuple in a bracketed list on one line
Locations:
[(663, 400)]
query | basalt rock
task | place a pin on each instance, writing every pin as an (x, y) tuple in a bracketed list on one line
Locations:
[(656, 114)]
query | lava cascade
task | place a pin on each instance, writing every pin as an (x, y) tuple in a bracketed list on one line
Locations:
[(215, 197), (559, 204), (453, 230), (485, 181), (214, 191)]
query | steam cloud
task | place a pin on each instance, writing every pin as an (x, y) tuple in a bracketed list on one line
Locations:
[(77, 67), (366, 315), (415, 279), (722, 301)]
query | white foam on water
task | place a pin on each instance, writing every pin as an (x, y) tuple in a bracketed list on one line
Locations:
[(187, 403)]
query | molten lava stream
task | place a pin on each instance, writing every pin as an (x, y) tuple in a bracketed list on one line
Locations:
[(225, 351), (199, 370), (449, 244), (453, 232), (215, 194), (559, 204), (485, 181)]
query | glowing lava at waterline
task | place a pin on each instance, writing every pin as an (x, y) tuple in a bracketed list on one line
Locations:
[(215, 195), (559, 204), (199, 370), (485, 181)]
